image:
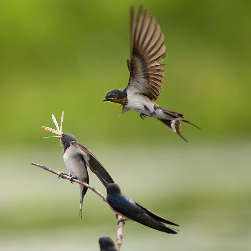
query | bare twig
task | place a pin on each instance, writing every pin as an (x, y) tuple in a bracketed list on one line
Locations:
[(120, 226), (121, 222), (67, 177)]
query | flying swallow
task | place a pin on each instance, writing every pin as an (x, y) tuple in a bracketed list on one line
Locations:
[(77, 158), (107, 244), (146, 74), (131, 210)]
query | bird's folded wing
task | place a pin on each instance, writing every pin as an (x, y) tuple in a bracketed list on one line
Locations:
[(125, 206), (147, 49), (96, 167), (128, 208), (157, 217)]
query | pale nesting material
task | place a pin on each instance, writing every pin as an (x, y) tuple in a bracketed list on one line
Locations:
[(59, 130)]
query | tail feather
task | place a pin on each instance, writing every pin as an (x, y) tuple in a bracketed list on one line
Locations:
[(191, 123), (83, 191), (177, 115), (160, 226), (172, 114), (174, 125)]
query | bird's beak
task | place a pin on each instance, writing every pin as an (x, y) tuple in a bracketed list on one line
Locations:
[(105, 99)]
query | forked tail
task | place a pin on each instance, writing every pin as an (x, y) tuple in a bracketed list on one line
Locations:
[(174, 124)]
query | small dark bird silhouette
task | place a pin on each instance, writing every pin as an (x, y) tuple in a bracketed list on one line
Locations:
[(131, 210), (146, 74), (77, 158), (107, 244)]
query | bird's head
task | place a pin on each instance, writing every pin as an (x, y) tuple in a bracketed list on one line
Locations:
[(66, 139), (116, 96), (113, 189), (106, 243)]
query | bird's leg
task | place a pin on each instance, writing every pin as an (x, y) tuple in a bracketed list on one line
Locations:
[(143, 116), (121, 220), (61, 175), (72, 178)]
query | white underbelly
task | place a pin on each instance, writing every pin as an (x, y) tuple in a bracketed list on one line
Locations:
[(75, 166), (141, 104)]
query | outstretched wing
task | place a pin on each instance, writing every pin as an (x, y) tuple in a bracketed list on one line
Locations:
[(147, 49)]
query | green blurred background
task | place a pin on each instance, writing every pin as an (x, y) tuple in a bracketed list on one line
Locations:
[(62, 55)]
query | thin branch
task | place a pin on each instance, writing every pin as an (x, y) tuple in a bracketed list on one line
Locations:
[(121, 221), (67, 177), (120, 226)]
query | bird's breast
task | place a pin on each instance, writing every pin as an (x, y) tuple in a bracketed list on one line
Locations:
[(75, 164), (141, 104)]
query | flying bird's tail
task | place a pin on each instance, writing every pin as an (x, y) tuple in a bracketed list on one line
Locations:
[(173, 121), (83, 191)]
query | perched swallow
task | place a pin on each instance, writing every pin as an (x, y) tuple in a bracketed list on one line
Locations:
[(107, 244), (146, 74), (77, 158), (131, 210)]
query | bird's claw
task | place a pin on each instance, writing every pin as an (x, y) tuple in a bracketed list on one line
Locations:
[(143, 116), (61, 175), (123, 220), (72, 178)]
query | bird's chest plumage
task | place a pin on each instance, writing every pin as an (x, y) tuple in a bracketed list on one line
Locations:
[(75, 164), (141, 104)]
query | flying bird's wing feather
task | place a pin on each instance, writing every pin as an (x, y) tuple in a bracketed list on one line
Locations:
[(147, 49), (96, 167)]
